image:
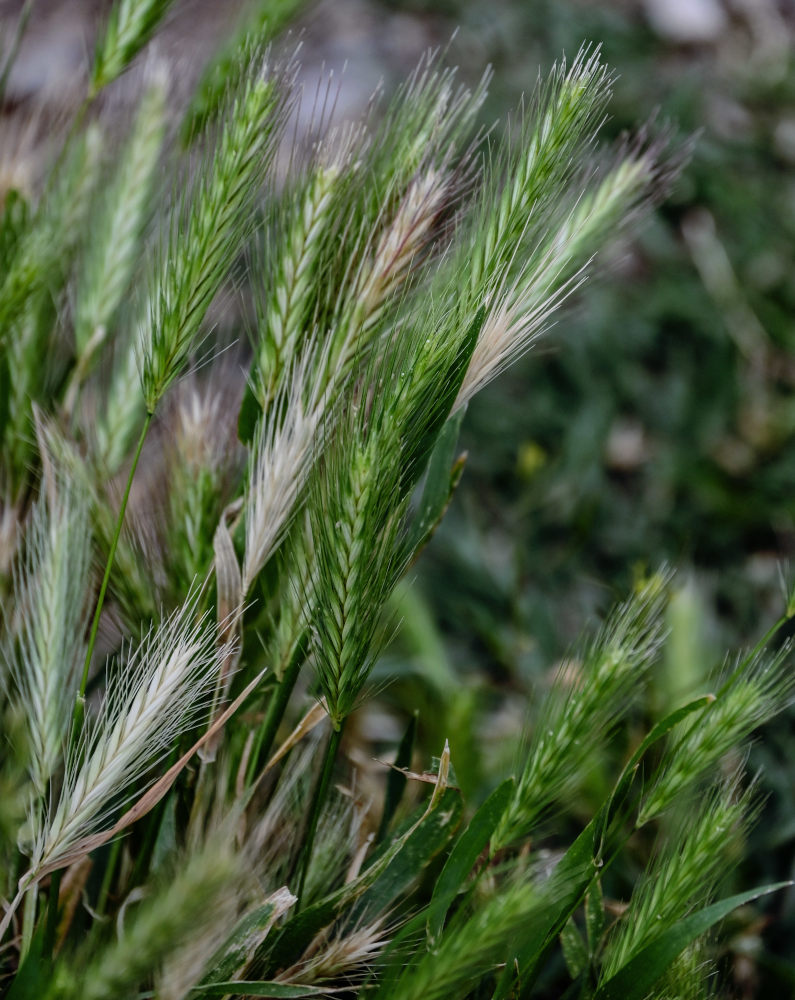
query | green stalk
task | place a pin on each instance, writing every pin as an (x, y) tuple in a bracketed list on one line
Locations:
[(277, 706), (107, 877), (28, 920), (92, 639), (318, 800), (52, 914)]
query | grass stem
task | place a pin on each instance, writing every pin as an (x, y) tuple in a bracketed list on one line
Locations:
[(318, 801), (92, 639), (266, 734), (52, 914)]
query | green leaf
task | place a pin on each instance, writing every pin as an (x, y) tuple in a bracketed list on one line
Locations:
[(575, 952), (443, 476), (260, 988), (34, 974), (634, 980), (250, 931), (420, 847), (250, 412), (594, 916), (396, 781), (464, 855)]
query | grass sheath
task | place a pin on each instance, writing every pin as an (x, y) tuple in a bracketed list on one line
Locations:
[(92, 637), (316, 805)]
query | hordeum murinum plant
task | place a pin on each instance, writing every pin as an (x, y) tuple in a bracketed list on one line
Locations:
[(229, 403)]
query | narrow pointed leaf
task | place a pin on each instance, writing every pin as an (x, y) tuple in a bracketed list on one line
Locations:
[(469, 846), (634, 980)]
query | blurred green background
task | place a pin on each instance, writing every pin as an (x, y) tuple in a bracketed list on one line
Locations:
[(654, 422)]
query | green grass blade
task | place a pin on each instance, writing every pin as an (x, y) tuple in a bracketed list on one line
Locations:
[(469, 846), (639, 975)]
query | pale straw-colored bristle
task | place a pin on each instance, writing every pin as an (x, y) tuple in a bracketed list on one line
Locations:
[(283, 452), (345, 954), (45, 643), (158, 694)]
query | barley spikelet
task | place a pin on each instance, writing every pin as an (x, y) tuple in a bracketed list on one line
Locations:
[(159, 694), (695, 857), (283, 452), (45, 645), (117, 226), (207, 233)]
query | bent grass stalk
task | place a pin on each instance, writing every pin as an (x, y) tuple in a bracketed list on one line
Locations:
[(92, 638)]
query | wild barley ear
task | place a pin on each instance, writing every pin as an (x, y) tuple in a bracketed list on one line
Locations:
[(357, 514), (42, 248), (117, 226), (287, 261), (197, 475), (197, 903), (259, 23), (697, 849), (43, 644), (348, 954), (589, 697), (131, 23), (286, 444), (161, 692), (478, 942), (209, 227), (759, 687)]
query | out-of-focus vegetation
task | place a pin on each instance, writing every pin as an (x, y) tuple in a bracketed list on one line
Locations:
[(655, 421)]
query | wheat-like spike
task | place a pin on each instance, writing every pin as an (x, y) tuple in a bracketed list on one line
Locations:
[(357, 518), (208, 232), (203, 461), (159, 693), (760, 688), (131, 24), (476, 944), (576, 712), (291, 295), (45, 644), (347, 953), (520, 307), (565, 115), (114, 249), (258, 23), (698, 851), (387, 271), (401, 243), (284, 449), (55, 229)]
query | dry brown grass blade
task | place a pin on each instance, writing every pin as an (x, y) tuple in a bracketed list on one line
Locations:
[(316, 714)]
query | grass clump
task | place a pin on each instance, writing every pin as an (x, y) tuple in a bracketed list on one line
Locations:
[(201, 560)]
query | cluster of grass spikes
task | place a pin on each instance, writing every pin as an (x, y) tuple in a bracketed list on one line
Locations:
[(201, 533)]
